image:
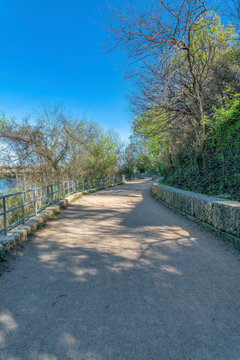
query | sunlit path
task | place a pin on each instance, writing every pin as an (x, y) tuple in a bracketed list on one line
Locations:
[(119, 276)]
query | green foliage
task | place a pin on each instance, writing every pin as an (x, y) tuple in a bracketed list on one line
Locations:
[(139, 158), (153, 127), (145, 164), (209, 42), (220, 172), (210, 39), (2, 123), (104, 156), (193, 124)]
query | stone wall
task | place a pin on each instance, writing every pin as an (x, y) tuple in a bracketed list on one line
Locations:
[(221, 214)]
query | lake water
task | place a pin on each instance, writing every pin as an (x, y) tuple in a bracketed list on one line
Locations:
[(6, 185)]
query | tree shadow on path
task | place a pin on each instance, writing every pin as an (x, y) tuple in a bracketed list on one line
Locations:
[(120, 276)]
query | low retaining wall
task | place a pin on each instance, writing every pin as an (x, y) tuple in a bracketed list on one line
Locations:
[(222, 215)]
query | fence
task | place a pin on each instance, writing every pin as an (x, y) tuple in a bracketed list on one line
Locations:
[(16, 208)]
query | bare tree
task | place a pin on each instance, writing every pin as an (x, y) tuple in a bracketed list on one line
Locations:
[(42, 146), (152, 35), (232, 11), (54, 144), (174, 50)]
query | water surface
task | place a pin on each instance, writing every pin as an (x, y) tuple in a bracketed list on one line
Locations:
[(7, 185)]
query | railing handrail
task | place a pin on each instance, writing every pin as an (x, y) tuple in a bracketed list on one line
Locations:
[(49, 194)]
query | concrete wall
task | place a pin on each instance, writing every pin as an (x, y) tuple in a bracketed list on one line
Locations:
[(223, 215)]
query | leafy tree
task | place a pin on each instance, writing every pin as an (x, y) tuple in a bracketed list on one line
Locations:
[(104, 156), (185, 64), (221, 155), (182, 60), (2, 123)]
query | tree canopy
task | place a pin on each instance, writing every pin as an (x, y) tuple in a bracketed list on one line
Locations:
[(184, 61)]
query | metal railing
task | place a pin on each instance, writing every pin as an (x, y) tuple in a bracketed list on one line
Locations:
[(16, 208)]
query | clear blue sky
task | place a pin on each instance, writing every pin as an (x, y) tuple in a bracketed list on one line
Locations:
[(51, 52)]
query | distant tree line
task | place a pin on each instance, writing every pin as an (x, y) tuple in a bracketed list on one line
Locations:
[(138, 159), (184, 61), (54, 145)]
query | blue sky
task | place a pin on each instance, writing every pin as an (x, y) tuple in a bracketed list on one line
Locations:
[(51, 52)]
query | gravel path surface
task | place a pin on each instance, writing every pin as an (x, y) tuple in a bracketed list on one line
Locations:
[(120, 276)]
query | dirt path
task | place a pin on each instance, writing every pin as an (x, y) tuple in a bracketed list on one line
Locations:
[(120, 276)]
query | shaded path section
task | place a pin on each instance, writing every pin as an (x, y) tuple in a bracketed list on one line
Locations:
[(120, 276)]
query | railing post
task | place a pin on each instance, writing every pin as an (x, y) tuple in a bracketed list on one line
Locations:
[(35, 201), (23, 209), (51, 193), (63, 189), (44, 196), (4, 216), (48, 196)]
